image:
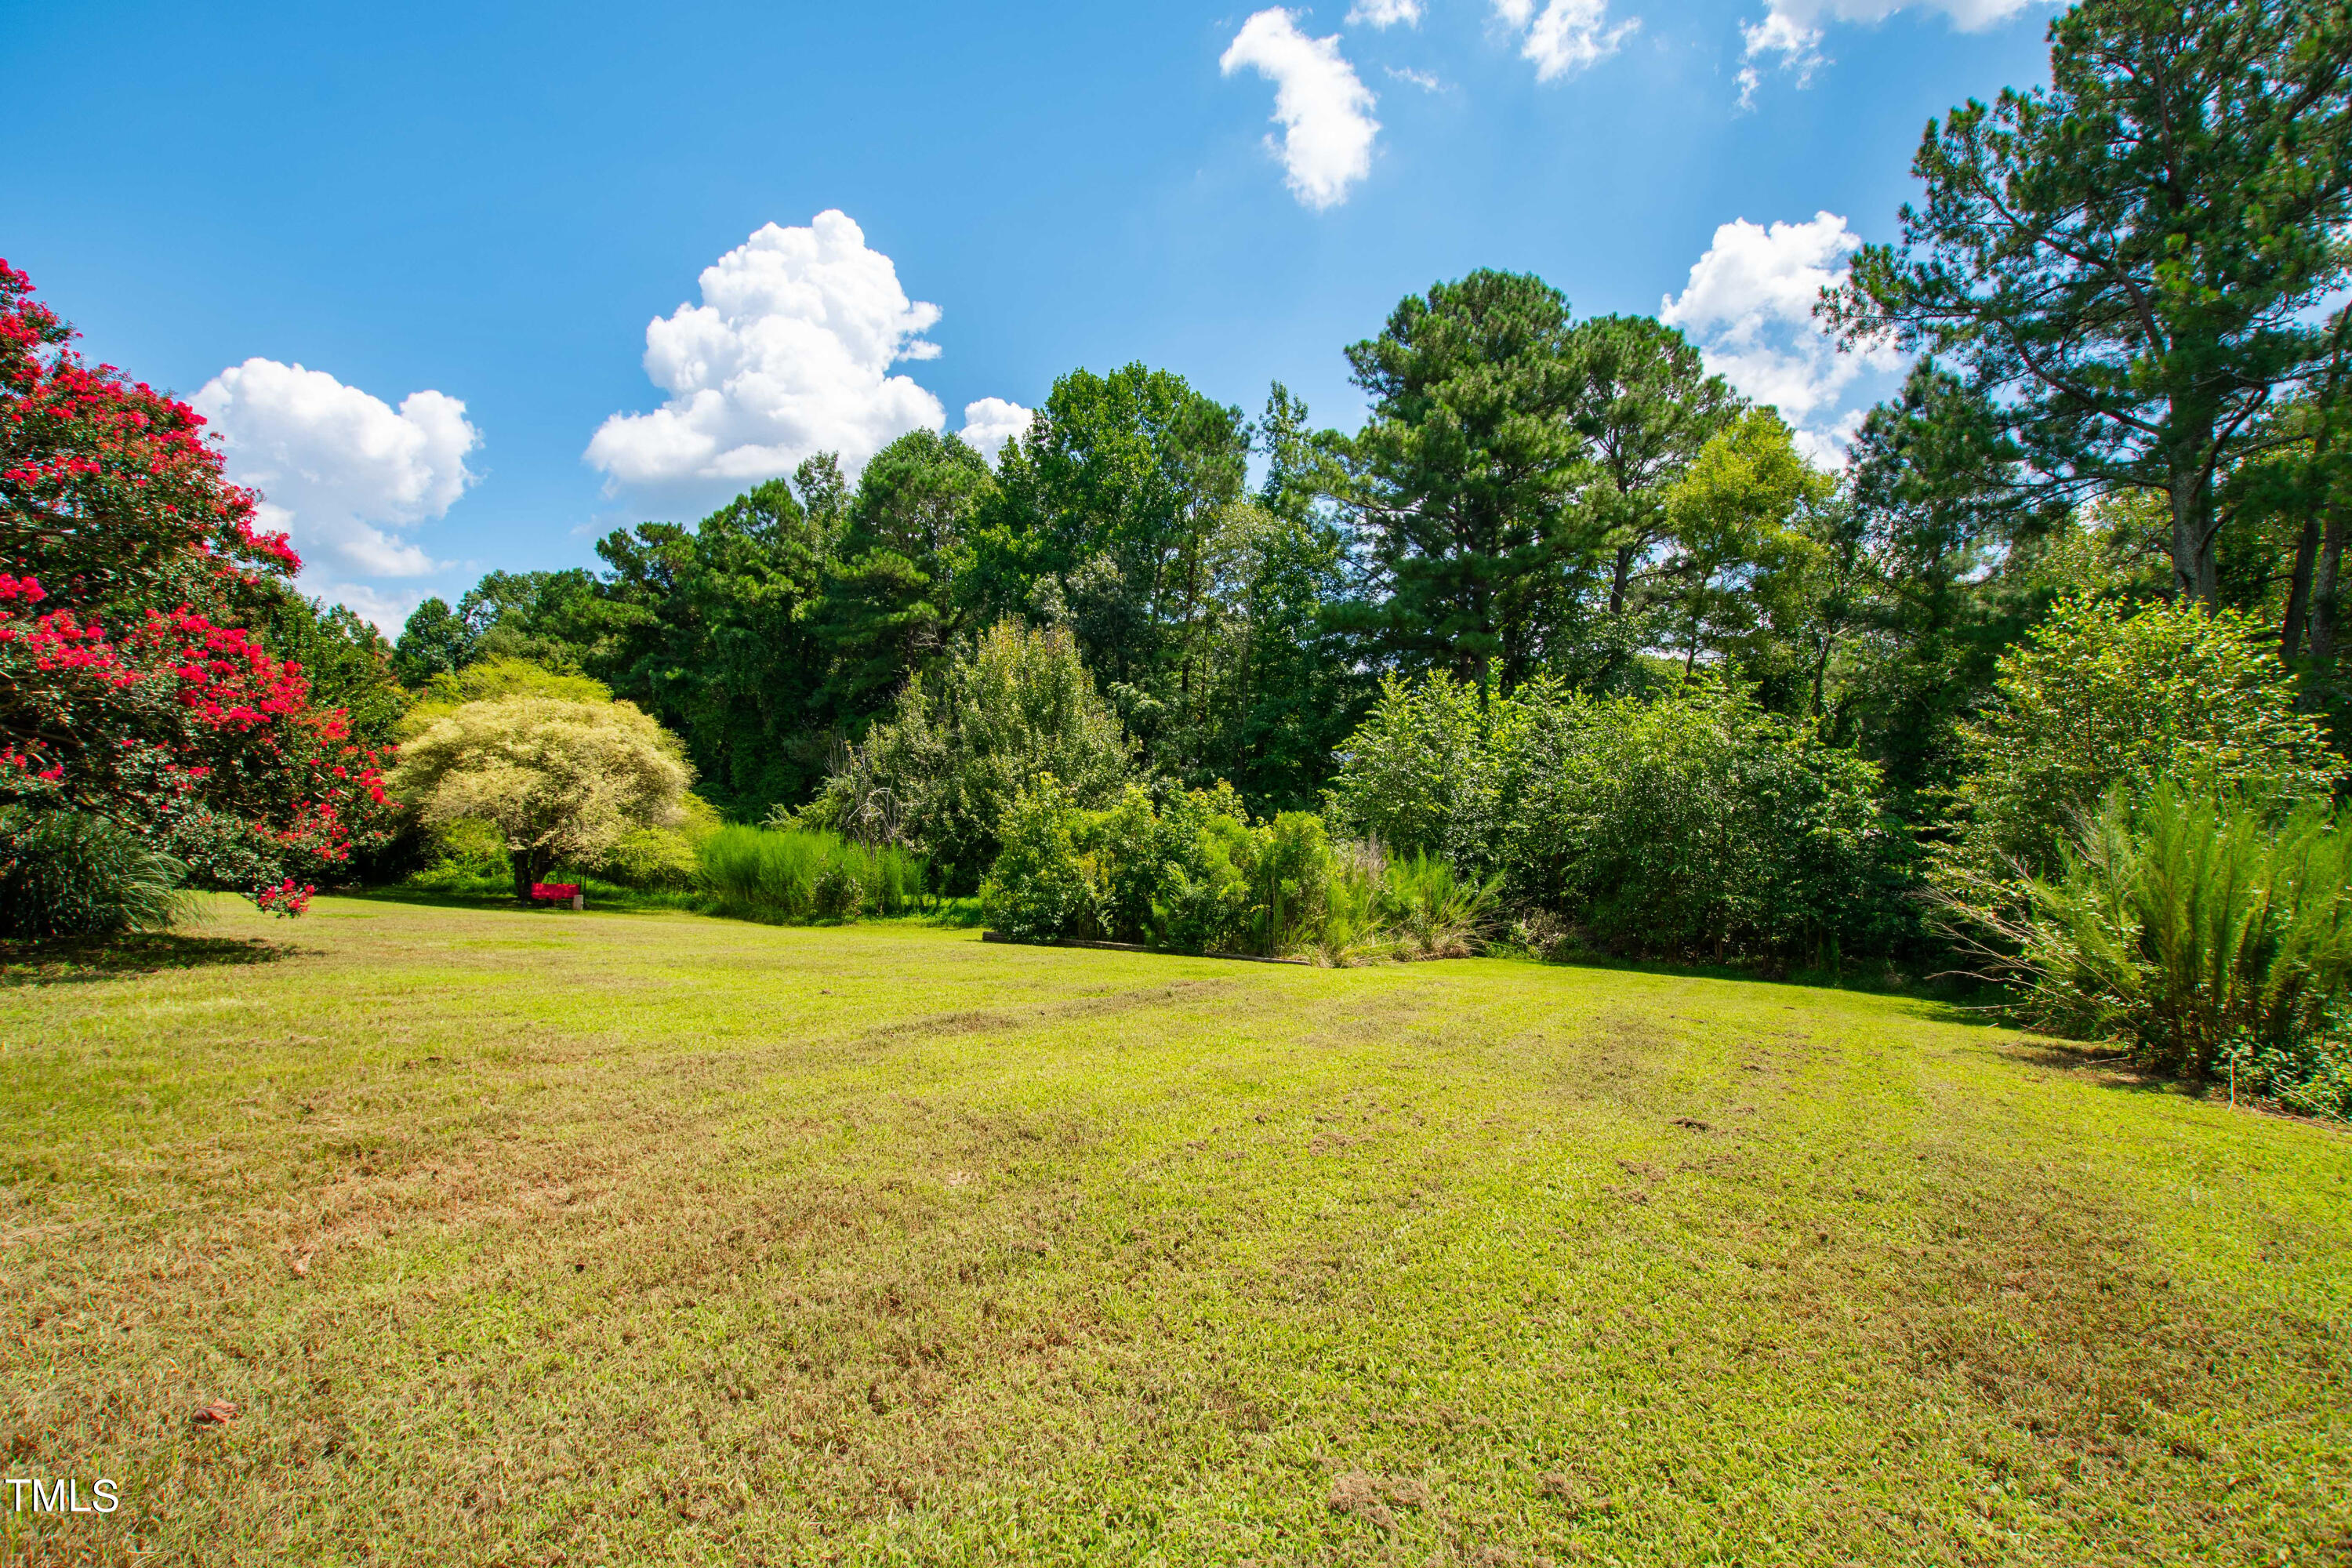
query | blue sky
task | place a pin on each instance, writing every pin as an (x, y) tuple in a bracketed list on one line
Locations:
[(430, 207)]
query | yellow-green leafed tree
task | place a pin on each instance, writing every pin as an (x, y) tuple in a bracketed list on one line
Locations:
[(492, 678), (561, 779)]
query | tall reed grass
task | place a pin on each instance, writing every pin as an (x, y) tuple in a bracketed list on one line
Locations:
[(799, 874)]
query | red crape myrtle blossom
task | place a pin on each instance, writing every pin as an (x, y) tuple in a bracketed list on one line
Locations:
[(129, 686), (285, 898)]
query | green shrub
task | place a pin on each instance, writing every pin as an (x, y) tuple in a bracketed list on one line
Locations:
[(1698, 823), (2100, 696), (1689, 823), (941, 770), (2206, 933), (1196, 874), (69, 873), (839, 894), (785, 875), (1042, 887), (1430, 771)]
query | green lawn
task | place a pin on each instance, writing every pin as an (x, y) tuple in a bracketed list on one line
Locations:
[(615, 1238)]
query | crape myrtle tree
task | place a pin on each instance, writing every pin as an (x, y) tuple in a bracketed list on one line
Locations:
[(134, 683), (2131, 260)]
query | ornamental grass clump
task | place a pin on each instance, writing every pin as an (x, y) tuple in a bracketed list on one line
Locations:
[(2210, 935), (787, 875), (69, 874)]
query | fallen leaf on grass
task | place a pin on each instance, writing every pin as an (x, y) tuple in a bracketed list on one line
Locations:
[(301, 1267), (219, 1413)]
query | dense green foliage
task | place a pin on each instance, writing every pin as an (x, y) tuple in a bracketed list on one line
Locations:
[(941, 770), (1693, 823), (70, 874), (2092, 699), (1195, 873), (2211, 934)]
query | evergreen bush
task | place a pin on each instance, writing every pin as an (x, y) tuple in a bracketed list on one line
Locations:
[(2208, 933)]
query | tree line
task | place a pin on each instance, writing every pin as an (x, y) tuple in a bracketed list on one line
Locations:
[(2127, 384)]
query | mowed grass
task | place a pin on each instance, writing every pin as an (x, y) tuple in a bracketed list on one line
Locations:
[(557, 1238)]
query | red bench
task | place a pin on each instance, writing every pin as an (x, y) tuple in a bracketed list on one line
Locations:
[(556, 893)]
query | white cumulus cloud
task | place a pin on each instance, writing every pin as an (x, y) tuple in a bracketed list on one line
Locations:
[(1748, 304), (341, 470), (1325, 112), (991, 422), (788, 355), (1793, 29), (1565, 36), (1384, 13)]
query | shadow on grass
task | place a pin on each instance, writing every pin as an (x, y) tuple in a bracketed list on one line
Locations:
[(1951, 998), (66, 962), (607, 899), (950, 913)]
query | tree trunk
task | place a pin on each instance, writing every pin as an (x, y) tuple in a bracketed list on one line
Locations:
[(1617, 584), (1820, 673), (2194, 576), (2326, 582), (2298, 598), (529, 865)]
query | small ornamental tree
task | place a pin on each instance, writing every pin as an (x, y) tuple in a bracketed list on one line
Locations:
[(560, 780), (130, 687)]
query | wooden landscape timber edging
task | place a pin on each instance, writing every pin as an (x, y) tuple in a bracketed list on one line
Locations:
[(1133, 947)]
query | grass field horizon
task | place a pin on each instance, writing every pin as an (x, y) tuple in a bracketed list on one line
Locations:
[(634, 1238)]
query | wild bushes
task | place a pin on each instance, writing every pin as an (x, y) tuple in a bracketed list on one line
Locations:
[(69, 874), (2148, 851), (2096, 698), (1195, 873), (939, 771), (1693, 823), (783, 875)]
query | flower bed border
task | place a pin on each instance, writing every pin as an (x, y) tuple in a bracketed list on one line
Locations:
[(1135, 947)]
